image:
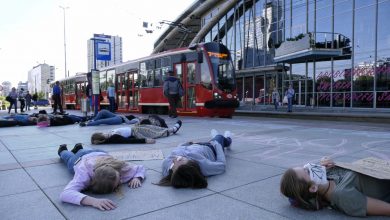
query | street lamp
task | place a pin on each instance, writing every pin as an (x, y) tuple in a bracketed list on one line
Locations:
[(63, 9)]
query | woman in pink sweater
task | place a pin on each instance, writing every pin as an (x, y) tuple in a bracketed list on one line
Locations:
[(99, 172)]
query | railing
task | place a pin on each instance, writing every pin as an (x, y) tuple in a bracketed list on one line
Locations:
[(314, 40)]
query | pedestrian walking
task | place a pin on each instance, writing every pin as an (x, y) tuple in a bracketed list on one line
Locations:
[(57, 98), (173, 90), (290, 95), (35, 99), (275, 98)]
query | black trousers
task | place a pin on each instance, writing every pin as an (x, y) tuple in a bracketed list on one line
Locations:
[(174, 101), (57, 102)]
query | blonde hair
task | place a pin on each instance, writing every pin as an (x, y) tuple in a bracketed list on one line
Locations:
[(98, 138), (105, 176)]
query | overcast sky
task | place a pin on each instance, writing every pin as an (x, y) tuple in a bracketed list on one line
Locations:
[(32, 31)]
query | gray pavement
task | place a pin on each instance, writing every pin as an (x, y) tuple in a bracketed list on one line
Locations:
[(32, 176)]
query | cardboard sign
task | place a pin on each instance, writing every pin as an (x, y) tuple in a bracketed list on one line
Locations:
[(369, 166), (138, 155)]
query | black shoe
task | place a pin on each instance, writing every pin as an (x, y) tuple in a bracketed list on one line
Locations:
[(82, 124), (77, 147), (62, 148)]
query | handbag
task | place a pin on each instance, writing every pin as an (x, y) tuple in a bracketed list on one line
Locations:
[(285, 100), (8, 99)]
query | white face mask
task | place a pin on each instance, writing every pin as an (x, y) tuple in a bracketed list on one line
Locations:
[(317, 173)]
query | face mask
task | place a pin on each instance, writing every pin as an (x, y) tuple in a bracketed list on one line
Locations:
[(178, 158), (317, 173)]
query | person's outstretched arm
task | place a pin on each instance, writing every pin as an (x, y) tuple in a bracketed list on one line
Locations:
[(72, 194)]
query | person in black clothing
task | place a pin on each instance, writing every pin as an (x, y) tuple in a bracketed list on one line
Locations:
[(59, 120), (57, 98), (22, 99)]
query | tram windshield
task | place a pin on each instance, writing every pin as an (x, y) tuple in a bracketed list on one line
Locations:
[(222, 65)]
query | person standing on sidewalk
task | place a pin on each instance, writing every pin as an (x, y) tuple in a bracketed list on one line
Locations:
[(57, 98), (22, 100), (111, 96), (13, 100), (28, 100), (173, 90), (275, 98), (290, 95)]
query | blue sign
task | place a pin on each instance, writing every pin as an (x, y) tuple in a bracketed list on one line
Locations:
[(103, 50)]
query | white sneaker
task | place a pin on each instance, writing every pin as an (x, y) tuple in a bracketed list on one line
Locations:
[(227, 134), (213, 133)]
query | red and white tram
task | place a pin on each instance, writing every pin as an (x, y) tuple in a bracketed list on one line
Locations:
[(205, 70)]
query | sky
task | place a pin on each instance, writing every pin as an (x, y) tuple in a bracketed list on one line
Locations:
[(32, 31)]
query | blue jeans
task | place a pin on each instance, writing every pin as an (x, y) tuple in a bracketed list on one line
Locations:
[(289, 107), (276, 103), (225, 142), (70, 158), (112, 104), (106, 117)]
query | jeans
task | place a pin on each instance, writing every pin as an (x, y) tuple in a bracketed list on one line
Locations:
[(225, 142), (106, 117), (112, 104), (289, 107), (276, 104), (15, 103), (70, 158)]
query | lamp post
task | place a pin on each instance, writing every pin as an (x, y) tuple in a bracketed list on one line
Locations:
[(63, 9)]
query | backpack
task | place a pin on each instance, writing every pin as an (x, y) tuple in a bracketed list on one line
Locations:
[(8, 99)]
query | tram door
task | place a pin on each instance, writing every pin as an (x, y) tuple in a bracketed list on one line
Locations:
[(186, 73), (133, 92), (80, 93), (121, 91)]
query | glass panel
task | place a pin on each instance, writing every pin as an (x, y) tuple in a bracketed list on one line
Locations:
[(364, 51), (191, 73), (260, 90), (323, 80), (383, 100), (179, 74), (298, 17), (383, 62)]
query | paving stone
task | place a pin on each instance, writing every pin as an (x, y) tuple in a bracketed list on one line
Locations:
[(29, 205), (15, 181)]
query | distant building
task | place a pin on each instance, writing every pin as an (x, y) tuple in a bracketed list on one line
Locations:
[(39, 78), (114, 49), (22, 85), (6, 88)]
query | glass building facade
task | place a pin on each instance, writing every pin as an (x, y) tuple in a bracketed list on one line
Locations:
[(335, 53)]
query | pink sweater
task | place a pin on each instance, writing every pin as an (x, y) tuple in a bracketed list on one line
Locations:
[(84, 173)]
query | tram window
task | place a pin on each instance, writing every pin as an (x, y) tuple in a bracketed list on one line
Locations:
[(205, 77), (150, 78), (158, 78), (191, 73), (143, 78)]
